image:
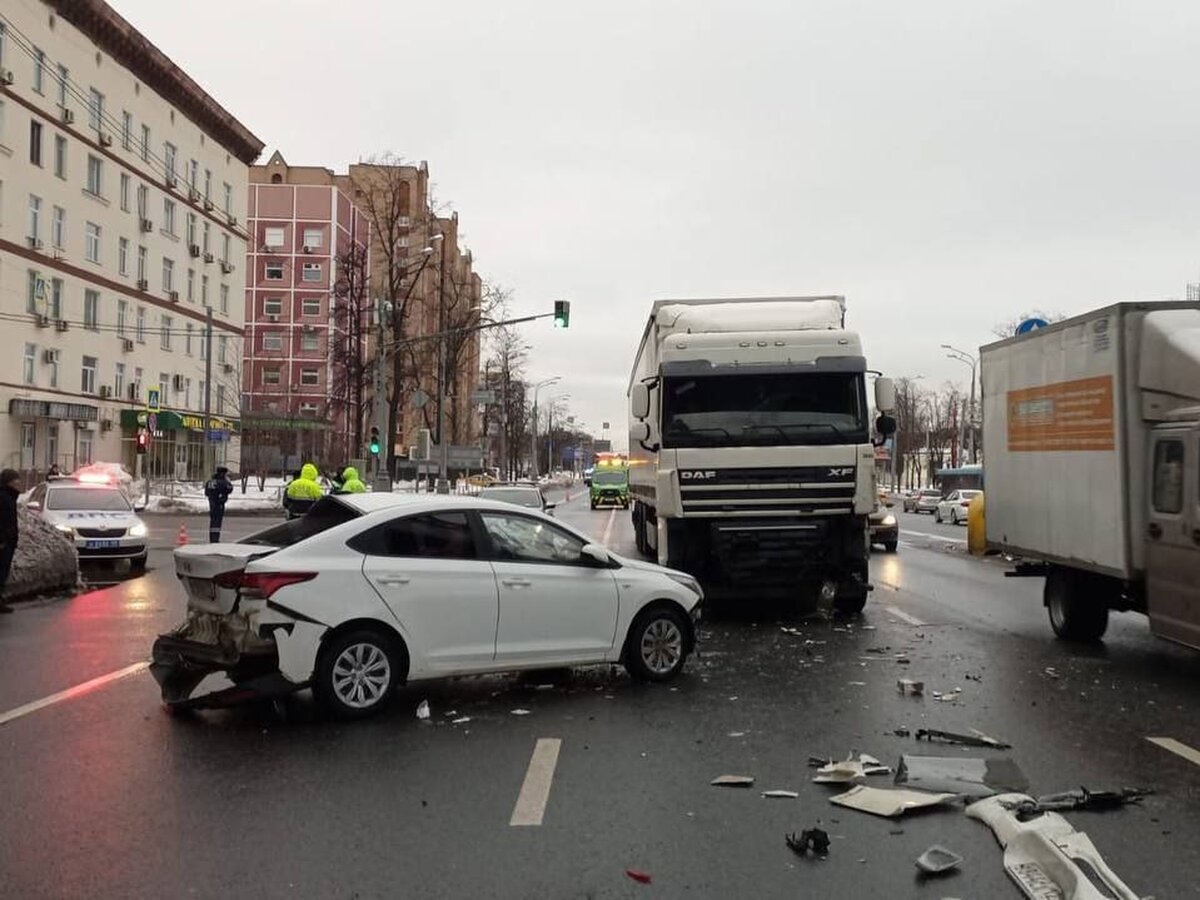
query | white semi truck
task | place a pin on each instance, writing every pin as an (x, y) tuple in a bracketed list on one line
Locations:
[(1091, 446), (751, 460)]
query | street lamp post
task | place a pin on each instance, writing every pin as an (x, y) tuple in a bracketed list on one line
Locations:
[(533, 441), (968, 359), (550, 431)]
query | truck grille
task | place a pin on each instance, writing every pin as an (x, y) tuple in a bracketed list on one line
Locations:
[(762, 552), (812, 490)]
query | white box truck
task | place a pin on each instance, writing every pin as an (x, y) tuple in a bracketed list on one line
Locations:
[(1091, 445), (751, 460)]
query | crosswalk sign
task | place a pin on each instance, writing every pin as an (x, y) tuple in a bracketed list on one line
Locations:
[(152, 401)]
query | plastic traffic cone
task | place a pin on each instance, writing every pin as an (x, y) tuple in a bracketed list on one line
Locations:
[(183, 538)]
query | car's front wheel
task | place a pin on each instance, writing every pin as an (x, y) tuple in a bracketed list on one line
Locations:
[(657, 646), (357, 672), (137, 565)]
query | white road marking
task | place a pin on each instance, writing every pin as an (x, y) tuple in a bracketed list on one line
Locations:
[(608, 527), (1178, 748), (535, 792), (937, 537), (72, 692), (903, 616)]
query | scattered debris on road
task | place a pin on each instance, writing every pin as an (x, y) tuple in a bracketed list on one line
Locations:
[(423, 710), (780, 795), (969, 776), (1051, 672), (938, 860), (908, 686), (814, 839), (461, 720), (901, 732), (744, 781), (520, 712), (736, 734), (640, 877), (974, 739), (1082, 799), (951, 694), (888, 802), (849, 770)]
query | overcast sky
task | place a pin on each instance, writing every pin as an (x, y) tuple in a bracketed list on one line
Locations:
[(944, 165)]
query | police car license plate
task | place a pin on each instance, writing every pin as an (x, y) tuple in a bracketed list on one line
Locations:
[(101, 545)]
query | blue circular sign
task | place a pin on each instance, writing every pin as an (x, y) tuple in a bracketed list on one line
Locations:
[(1031, 325)]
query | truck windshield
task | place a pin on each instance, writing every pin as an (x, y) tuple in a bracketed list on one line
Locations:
[(764, 409), (609, 477)]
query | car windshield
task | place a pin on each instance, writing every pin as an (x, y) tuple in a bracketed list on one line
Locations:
[(326, 513), (937, 494), (87, 499), (610, 477), (520, 496), (776, 409)]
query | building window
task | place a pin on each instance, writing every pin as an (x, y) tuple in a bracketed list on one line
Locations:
[(83, 455), (310, 376), (310, 306), (228, 198), (87, 375), (193, 173), (220, 399), (272, 306), (309, 341), (94, 173), (35, 292), (125, 192), (191, 286), (191, 230), (169, 162), (91, 310), (56, 295), (60, 156), (187, 393), (52, 366), (165, 333), (308, 409), (208, 184), (145, 143), (143, 256), (274, 271), (35, 142), (204, 246), (92, 245), (58, 227), (169, 216), (140, 327), (273, 238), (30, 359), (225, 248), (143, 201), (95, 109), (270, 375), (222, 348), (187, 340), (312, 271), (272, 340), (314, 237), (122, 311), (168, 275), (123, 255), (39, 70), (225, 299), (127, 130), (138, 379), (164, 387), (119, 380), (35, 217), (64, 76)]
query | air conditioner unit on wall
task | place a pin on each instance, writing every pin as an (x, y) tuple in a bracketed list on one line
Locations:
[(105, 391), (208, 257), (194, 250), (147, 225), (143, 284), (105, 140), (42, 321), (35, 243), (62, 325), (68, 116), (6, 77), (127, 345), (106, 424), (50, 356)]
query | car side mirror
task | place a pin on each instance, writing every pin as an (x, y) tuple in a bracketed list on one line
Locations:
[(639, 401), (139, 507), (34, 505), (596, 554), (549, 506)]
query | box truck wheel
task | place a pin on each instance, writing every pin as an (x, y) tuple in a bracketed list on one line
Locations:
[(1076, 613)]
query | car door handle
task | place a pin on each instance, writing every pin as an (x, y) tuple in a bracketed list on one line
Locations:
[(1154, 530), (393, 579), (516, 582)]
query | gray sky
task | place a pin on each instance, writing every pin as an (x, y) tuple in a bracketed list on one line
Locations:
[(943, 164)]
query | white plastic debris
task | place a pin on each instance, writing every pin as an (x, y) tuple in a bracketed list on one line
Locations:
[(885, 802), (780, 795), (733, 781), (423, 710), (461, 720), (937, 859), (520, 712)]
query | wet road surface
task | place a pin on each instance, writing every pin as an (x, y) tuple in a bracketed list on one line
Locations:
[(105, 796)]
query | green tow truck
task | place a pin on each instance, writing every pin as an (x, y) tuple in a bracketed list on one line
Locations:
[(610, 487)]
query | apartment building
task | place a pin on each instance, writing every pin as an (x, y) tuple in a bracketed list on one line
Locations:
[(122, 185), (307, 311)]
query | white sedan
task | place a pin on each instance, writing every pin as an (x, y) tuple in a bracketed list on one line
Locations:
[(954, 506), (367, 591)]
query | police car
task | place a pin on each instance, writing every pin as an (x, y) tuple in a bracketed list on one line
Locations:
[(96, 514)]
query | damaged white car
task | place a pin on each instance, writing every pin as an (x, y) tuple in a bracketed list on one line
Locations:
[(367, 591)]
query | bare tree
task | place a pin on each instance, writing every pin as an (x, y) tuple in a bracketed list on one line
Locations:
[(506, 367), (351, 375)]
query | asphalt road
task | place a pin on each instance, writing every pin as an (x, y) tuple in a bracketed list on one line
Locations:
[(105, 796)]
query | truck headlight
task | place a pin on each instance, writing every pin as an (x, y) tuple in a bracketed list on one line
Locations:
[(138, 530), (688, 582)]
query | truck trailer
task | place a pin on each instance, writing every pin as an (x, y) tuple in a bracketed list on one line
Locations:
[(1091, 442), (751, 459)]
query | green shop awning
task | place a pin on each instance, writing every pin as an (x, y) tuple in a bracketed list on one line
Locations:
[(169, 420)]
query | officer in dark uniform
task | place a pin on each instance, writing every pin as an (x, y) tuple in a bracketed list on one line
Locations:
[(217, 489)]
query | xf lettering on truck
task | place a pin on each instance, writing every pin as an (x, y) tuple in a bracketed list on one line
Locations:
[(697, 475), (838, 473)]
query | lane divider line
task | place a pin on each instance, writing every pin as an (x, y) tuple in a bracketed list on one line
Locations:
[(1178, 748), (936, 537), (903, 616), (71, 693), (535, 791), (608, 527)]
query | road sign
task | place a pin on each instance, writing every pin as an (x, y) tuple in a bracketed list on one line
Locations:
[(465, 457), (482, 397), (1031, 325), (216, 435), (153, 401)]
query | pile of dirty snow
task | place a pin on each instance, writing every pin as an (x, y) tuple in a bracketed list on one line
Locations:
[(46, 561)]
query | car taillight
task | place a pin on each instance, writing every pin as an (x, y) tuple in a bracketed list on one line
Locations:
[(261, 585), (232, 579), (966, 503)]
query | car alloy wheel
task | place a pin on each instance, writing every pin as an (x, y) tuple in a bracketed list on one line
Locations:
[(361, 676), (661, 646)]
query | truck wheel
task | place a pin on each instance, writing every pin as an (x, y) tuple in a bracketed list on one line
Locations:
[(890, 546), (1075, 613), (850, 604)]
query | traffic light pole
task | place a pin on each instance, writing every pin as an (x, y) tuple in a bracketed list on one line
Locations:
[(381, 478)]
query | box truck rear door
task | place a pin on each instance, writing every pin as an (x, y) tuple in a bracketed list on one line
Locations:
[(1173, 535)]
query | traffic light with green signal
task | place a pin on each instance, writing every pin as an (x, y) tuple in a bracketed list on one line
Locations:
[(562, 313), (374, 445)]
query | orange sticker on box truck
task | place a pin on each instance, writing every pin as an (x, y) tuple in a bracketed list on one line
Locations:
[(1067, 415)]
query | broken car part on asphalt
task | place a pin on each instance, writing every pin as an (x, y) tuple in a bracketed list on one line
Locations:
[(733, 781), (908, 686), (1046, 856), (969, 776), (849, 770), (814, 839), (1080, 799), (974, 739), (889, 802), (780, 795), (937, 859)]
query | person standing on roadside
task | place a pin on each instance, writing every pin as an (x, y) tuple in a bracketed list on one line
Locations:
[(10, 490), (217, 489)]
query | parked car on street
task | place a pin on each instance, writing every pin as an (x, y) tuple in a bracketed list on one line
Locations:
[(368, 591), (885, 530), (527, 494), (96, 514), (954, 506), (923, 501)]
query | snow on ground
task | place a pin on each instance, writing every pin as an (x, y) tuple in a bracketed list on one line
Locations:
[(46, 561)]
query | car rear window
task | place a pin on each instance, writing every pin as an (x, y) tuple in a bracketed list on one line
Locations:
[(931, 493), (519, 496), (326, 513)]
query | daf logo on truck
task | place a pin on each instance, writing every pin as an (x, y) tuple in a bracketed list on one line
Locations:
[(702, 475)]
